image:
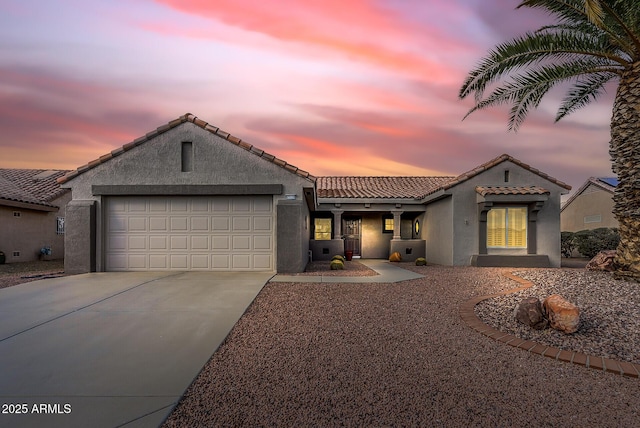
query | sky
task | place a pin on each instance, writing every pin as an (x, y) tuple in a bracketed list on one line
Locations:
[(334, 87)]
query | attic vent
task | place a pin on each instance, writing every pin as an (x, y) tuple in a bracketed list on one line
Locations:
[(506, 175), (187, 156)]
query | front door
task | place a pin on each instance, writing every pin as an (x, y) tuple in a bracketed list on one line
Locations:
[(351, 228)]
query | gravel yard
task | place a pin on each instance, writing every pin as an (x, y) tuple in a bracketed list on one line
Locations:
[(318, 354), (18, 273)]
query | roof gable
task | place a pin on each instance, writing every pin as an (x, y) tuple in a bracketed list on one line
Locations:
[(31, 186), (492, 163), (604, 183), (200, 123)]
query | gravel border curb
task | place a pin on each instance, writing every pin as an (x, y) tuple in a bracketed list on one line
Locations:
[(468, 315)]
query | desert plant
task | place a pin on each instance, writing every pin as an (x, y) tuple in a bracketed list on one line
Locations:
[(421, 261), (338, 257), (591, 242), (567, 243), (337, 265)]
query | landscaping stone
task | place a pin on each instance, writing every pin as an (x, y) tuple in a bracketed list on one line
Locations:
[(604, 260), (530, 312), (395, 257), (563, 315)]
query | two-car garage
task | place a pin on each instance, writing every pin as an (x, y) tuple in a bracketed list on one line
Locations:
[(189, 233)]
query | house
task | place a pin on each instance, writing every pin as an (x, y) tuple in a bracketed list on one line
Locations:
[(189, 196), (32, 213), (591, 207)]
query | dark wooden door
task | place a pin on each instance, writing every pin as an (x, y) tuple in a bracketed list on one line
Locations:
[(351, 229)]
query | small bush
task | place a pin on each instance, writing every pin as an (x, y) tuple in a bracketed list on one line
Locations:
[(337, 265), (338, 257), (421, 261), (591, 242), (567, 243)]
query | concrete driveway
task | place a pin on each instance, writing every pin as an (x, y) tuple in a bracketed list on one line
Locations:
[(112, 349)]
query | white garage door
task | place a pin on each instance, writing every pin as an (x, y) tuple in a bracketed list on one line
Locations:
[(189, 233)]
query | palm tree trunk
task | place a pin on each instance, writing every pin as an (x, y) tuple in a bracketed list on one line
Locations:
[(625, 156)]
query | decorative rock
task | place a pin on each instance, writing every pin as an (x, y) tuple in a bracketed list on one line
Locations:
[(604, 260), (563, 315), (337, 265), (421, 261), (530, 312), (395, 257)]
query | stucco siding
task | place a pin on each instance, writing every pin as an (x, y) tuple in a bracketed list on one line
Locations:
[(30, 230), (438, 232), (466, 219), (375, 244), (215, 161), (586, 209)]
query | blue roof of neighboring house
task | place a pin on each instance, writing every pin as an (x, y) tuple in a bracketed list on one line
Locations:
[(611, 181)]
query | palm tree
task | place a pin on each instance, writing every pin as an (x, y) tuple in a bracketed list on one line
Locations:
[(591, 43)]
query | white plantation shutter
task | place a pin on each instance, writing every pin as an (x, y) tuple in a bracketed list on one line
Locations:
[(507, 227), (517, 232), (496, 227)]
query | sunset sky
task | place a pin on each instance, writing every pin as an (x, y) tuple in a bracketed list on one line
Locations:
[(334, 87)]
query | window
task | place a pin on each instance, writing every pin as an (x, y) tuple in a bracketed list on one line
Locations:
[(387, 224), (507, 227), (322, 229), (596, 218), (60, 226)]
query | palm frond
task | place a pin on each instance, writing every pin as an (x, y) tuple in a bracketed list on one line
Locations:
[(586, 89)]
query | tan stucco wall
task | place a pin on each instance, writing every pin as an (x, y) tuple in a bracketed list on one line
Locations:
[(375, 244), (437, 230), (593, 201), (31, 231)]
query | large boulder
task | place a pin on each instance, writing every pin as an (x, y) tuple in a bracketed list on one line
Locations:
[(604, 260), (563, 315), (530, 312)]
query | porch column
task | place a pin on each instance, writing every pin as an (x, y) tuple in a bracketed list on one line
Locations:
[(337, 223), (396, 224)]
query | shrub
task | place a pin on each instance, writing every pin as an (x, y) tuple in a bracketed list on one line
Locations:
[(337, 265), (591, 242), (421, 261), (567, 243), (338, 257)]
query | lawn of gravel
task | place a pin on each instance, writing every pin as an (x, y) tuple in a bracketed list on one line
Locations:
[(319, 354), (18, 273)]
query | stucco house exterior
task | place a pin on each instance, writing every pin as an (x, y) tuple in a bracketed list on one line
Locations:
[(590, 207), (189, 196), (32, 213)]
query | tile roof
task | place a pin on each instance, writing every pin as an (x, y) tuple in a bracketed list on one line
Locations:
[(488, 165), (377, 187), (198, 122), (511, 190), (31, 186)]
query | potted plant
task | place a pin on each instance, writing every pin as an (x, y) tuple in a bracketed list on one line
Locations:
[(45, 253)]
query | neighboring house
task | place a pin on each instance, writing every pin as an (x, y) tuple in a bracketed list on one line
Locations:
[(32, 213), (591, 207), (189, 196)]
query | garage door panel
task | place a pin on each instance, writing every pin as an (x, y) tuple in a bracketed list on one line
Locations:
[(185, 233)]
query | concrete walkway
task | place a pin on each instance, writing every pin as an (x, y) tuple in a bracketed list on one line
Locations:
[(387, 272), (112, 349)]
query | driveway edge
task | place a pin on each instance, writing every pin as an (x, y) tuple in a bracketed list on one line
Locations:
[(468, 315)]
